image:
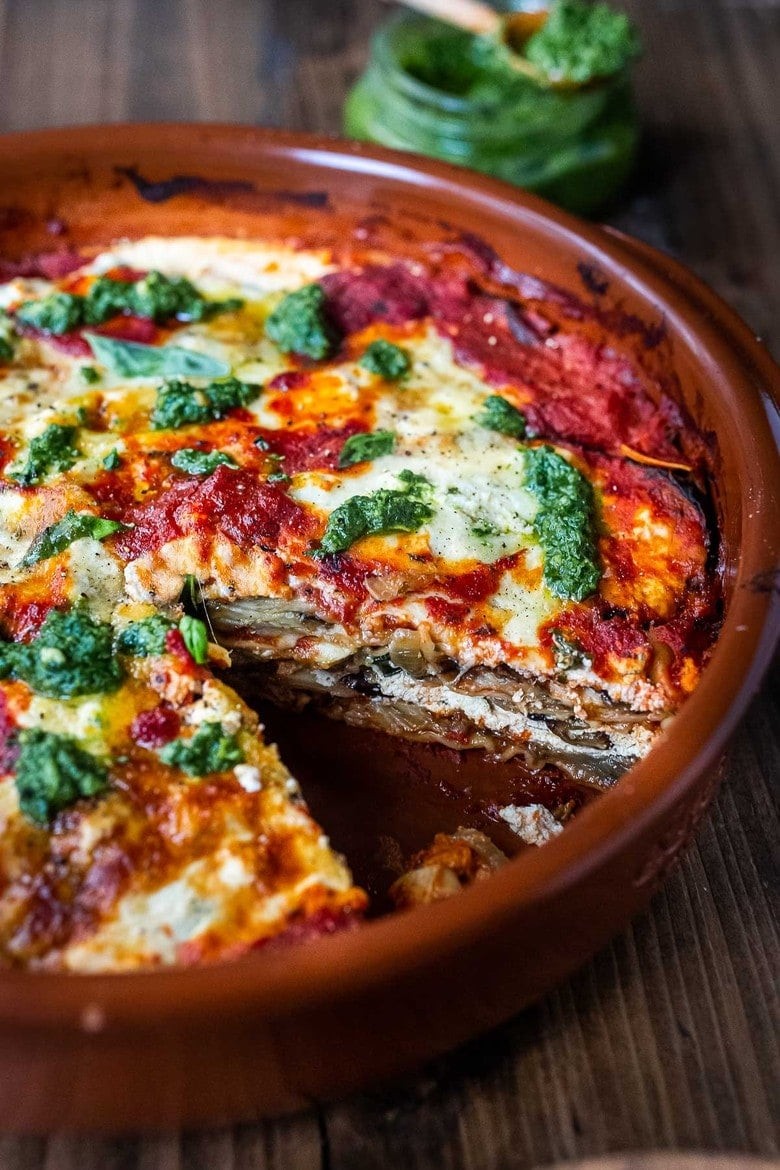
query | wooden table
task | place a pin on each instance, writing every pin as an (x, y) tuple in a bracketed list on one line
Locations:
[(669, 1038)]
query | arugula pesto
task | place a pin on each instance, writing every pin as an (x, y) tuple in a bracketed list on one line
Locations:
[(364, 447), (155, 296), (386, 510), (72, 655), (499, 415), (211, 749), (180, 404), (387, 360), (56, 314), (195, 462), (563, 523), (53, 772), (579, 42), (53, 450), (299, 325), (73, 526), (145, 638)]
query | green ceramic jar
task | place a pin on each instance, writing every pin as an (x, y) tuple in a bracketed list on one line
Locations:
[(429, 88)]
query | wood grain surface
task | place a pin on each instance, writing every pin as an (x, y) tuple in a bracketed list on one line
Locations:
[(668, 1040)]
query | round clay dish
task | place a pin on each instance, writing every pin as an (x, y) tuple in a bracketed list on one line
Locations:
[(273, 1032)]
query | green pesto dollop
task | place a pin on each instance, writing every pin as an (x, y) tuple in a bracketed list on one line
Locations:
[(499, 415), (386, 510), (211, 749), (154, 296), (53, 450), (386, 360), (564, 523), (180, 404), (53, 772), (72, 654), (145, 638), (299, 324), (56, 314), (364, 447), (580, 42), (195, 462)]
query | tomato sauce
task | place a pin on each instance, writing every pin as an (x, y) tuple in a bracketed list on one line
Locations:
[(600, 637), (393, 293), (568, 385), (153, 524), (152, 729), (307, 449)]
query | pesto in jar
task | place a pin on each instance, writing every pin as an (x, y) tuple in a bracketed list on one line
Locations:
[(565, 127)]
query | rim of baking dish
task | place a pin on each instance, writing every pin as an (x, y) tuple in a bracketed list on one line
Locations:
[(340, 966)]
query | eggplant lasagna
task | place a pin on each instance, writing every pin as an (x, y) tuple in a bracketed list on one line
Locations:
[(398, 492)]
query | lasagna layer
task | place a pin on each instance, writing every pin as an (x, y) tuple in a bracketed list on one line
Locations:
[(419, 495)]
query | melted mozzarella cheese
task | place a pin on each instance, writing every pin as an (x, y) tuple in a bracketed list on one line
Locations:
[(220, 265)]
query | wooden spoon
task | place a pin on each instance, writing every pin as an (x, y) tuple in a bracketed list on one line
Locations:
[(513, 29)]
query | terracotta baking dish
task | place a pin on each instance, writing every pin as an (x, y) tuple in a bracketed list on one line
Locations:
[(275, 1031)]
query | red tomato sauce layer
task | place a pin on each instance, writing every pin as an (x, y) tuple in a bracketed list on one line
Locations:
[(568, 385)]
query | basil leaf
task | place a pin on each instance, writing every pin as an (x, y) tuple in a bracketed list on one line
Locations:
[(130, 359), (364, 447), (195, 636), (73, 526)]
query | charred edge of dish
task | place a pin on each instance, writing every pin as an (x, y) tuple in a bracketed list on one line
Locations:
[(767, 581), (612, 319), (703, 496), (161, 190), (313, 199), (697, 489), (593, 277)]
